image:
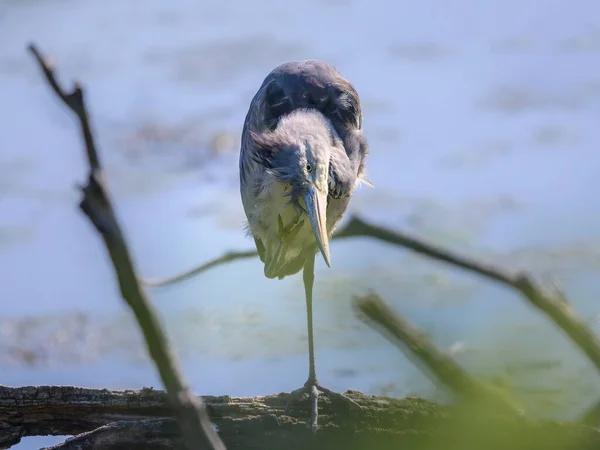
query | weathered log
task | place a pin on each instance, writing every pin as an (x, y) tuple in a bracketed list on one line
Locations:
[(143, 419)]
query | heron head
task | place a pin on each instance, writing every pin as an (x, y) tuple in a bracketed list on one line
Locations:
[(297, 154)]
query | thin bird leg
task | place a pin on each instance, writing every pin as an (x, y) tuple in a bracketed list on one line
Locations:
[(312, 386), (308, 276)]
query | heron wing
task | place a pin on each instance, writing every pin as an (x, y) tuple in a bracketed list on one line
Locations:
[(301, 85)]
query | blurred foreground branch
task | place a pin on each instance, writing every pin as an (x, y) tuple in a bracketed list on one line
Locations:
[(431, 360), (96, 205), (136, 420), (550, 301)]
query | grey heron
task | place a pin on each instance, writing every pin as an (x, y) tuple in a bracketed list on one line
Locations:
[(302, 155)]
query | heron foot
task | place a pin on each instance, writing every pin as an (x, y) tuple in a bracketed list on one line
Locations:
[(312, 388)]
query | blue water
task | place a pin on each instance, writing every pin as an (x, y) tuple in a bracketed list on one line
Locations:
[(482, 118)]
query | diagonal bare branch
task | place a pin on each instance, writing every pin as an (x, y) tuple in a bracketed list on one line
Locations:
[(190, 411), (434, 362), (550, 301), (226, 258), (357, 227)]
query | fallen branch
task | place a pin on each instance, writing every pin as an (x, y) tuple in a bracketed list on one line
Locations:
[(136, 420), (431, 360), (96, 205), (140, 434)]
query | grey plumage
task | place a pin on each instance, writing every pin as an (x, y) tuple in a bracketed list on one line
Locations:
[(303, 111), (301, 157)]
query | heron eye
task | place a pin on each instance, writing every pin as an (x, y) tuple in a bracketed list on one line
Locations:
[(309, 167)]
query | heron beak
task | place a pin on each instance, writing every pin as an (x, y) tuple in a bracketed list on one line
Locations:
[(316, 207)]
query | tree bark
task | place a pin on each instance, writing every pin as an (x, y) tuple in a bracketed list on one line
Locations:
[(143, 419)]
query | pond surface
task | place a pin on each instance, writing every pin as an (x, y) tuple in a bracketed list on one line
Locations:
[(482, 118)]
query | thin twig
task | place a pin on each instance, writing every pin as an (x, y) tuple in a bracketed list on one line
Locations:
[(191, 413), (356, 228), (224, 259), (227, 257), (378, 313)]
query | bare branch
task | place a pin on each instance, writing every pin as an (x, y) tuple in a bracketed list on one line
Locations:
[(96, 204), (357, 228), (551, 302), (376, 312), (226, 258)]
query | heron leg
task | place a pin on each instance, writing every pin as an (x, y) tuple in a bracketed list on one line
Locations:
[(308, 276), (312, 386)]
